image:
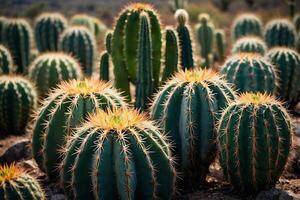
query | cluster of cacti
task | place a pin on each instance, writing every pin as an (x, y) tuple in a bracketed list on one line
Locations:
[(48, 69), (2, 22), (105, 58), (16, 184), (118, 155), (6, 61), (187, 109), (254, 139), (249, 44), (220, 44), (68, 105), (246, 25), (48, 27)]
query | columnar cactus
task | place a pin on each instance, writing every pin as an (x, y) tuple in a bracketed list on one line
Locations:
[(17, 101), (249, 44), (250, 73), (99, 28), (81, 44), (254, 139), (187, 108), (118, 155), (48, 27), (16, 184), (17, 37), (2, 22), (287, 62), (280, 32), (49, 69), (220, 44), (69, 104), (6, 62), (105, 58), (245, 25)]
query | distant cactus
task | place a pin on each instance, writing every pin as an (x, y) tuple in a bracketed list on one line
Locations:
[(249, 44), (250, 73), (246, 25), (49, 69), (108, 41), (81, 44), (280, 32), (177, 4), (48, 27), (18, 99), (292, 7), (6, 62), (2, 22), (187, 109), (17, 37), (16, 184), (220, 44), (254, 139), (104, 66), (296, 21), (69, 104), (118, 155), (99, 28)]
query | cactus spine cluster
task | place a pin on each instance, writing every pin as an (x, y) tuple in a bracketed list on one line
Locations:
[(220, 44), (17, 37), (16, 184), (48, 27), (254, 139), (187, 109), (17, 101), (105, 58), (49, 69), (246, 25), (118, 155), (250, 73), (6, 62), (81, 44), (63, 110), (249, 44)]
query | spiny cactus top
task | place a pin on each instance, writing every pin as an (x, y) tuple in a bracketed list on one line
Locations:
[(245, 25), (254, 138), (48, 27), (67, 106), (6, 61), (118, 155), (249, 44), (16, 184)]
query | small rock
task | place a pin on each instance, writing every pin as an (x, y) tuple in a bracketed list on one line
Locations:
[(16, 152)]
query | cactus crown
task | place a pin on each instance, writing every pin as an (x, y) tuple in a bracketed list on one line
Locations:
[(52, 16), (139, 6), (196, 75), (280, 22), (181, 16), (246, 17), (9, 172), (203, 17), (256, 98)]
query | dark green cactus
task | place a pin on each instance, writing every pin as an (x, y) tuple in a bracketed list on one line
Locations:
[(220, 44), (2, 22), (17, 37), (187, 108), (249, 44), (246, 25), (104, 66), (296, 21), (6, 62), (254, 139), (118, 155), (48, 27), (69, 104), (16, 184), (108, 40), (81, 44), (49, 69), (18, 99), (292, 7), (250, 73), (280, 32)]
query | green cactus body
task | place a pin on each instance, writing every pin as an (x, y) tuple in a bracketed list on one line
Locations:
[(296, 21), (15, 184), (118, 155), (108, 41), (185, 40), (104, 66), (49, 69), (249, 44), (246, 25), (48, 28), (220, 44), (17, 37), (6, 62), (287, 63), (62, 111), (17, 102), (2, 22), (81, 44), (254, 139), (280, 32), (250, 73), (187, 108)]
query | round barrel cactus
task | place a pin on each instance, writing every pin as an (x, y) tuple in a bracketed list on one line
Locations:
[(48, 27), (68, 105), (187, 109), (118, 155), (249, 44), (250, 73), (245, 25), (18, 99), (49, 69), (6, 61), (254, 139), (16, 184)]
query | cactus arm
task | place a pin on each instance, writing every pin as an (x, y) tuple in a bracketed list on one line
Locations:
[(104, 66)]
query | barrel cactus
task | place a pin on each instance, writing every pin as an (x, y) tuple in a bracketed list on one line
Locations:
[(6, 61), (48, 27), (249, 44), (250, 73), (49, 69), (16, 184), (69, 104), (246, 25), (118, 155), (17, 101), (187, 109), (220, 44), (254, 139)]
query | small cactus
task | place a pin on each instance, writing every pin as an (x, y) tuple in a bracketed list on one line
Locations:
[(177, 4), (104, 66), (246, 25), (220, 44), (2, 22), (249, 44), (254, 139), (6, 62), (108, 40)]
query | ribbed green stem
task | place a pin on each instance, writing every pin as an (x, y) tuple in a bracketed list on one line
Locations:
[(220, 45), (6, 61), (249, 45), (104, 66), (247, 25), (108, 41)]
